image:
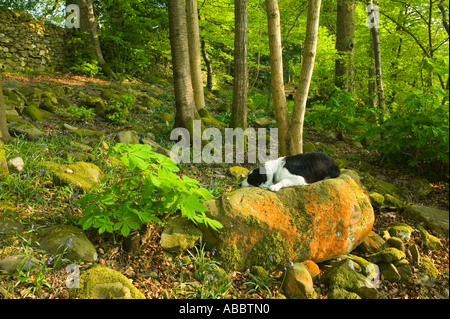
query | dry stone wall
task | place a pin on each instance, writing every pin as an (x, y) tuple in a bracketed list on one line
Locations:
[(28, 44)]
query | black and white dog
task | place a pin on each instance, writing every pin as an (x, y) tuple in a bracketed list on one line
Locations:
[(295, 170)]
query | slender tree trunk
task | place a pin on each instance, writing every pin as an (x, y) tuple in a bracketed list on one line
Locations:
[(377, 56), (276, 75), (295, 138), (209, 75), (4, 133), (88, 23), (184, 97), (240, 83), (345, 45), (194, 53)]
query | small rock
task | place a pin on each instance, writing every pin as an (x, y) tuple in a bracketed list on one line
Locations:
[(376, 199), (8, 227), (101, 282), (429, 240), (415, 254), (387, 255), (435, 219), (12, 263), (405, 272), (298, 283), (396, 243), (401, 230), (428, 268), (16, 164), (179, 235), (372, 244), (128, 137), (238, 171), (312, 268), (420, 188), (54, 238), (389, 272)]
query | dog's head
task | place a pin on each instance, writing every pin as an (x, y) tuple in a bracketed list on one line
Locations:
[(256, 177)]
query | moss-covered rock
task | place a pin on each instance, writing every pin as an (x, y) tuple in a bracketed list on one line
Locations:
[(401, 230), (100, 282), (435, 219), (238, 171), (387, 255), (298, 283), (93, 101), (432, 242), (35, 113), (316, 222), (420, 188), (81, 175), (4, 171), (376, 199), (55, 238), (427, 268), (20, 127), (343, 276), (179, 235)]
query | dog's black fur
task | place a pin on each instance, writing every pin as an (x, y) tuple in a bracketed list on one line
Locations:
[(312, 166)]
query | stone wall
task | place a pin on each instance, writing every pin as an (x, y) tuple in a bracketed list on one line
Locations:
[(28, 44)]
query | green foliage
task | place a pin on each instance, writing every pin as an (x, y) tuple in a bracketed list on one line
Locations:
[(78, 113), (209, 280), (119, 108), (87, 68), (342, 111), (151, 191), (417, 133)]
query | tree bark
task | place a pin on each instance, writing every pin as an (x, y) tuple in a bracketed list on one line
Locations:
[(194, 53), (276, 75), (4, 133), (209, 75), (184, 97), (377, 57), (295, 138), (88, 23), (240, 83), (345, 45)]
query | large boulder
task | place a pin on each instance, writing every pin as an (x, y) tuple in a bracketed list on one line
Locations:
[(316, 222)]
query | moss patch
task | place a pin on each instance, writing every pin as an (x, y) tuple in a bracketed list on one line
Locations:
[(272, 252), (230, 257), (103, 282)]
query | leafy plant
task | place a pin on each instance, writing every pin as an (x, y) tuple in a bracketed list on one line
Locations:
[(151, 191), (79, 113), (417, 133), (119, 108)]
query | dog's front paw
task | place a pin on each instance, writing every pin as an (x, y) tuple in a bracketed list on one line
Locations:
[(275, 188)]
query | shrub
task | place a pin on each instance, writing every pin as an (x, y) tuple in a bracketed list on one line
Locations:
[(151, 191)]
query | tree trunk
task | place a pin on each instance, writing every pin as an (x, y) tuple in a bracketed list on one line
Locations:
[(377, 56), (209, 76), (295, 137), (4, 134), (345, 45), (184, 97), (194, 53), (240, 83), (276, 75), (88, 23)]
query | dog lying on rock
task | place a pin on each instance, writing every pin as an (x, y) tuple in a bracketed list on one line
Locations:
[(294, 170)]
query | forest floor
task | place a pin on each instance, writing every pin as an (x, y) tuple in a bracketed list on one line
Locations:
[(159, 275)]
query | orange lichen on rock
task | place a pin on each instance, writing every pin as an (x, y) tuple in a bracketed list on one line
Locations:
[(316, 222)]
